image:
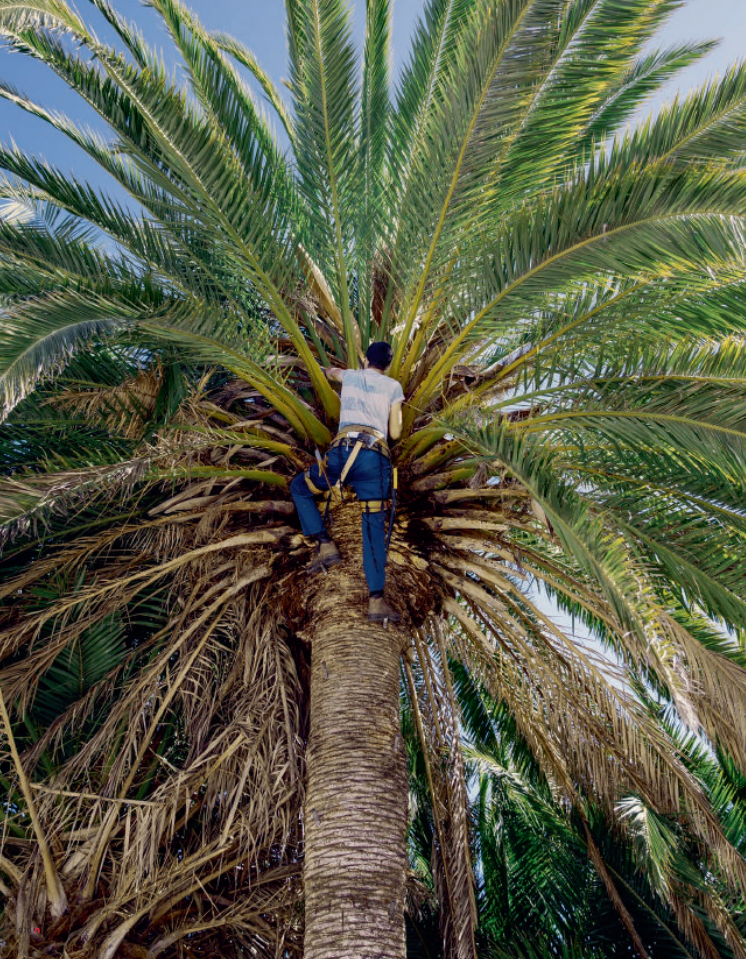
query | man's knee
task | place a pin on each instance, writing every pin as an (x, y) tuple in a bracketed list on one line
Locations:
[(298, 486), (304, 485)]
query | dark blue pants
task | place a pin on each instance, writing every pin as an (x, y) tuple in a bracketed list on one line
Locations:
[(370, 477)]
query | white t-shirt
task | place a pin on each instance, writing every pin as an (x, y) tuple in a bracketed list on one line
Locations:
[(367, 398)]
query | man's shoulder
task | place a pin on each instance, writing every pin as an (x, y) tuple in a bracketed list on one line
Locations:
[(368, 382), (394, 387)]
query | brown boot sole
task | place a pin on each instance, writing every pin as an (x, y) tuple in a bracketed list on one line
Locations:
[(384, 618), (321, 566)]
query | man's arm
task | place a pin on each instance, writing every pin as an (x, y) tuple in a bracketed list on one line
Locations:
[(395, 420), (334, 374)]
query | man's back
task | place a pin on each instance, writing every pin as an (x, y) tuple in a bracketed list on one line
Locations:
[(367, 398)]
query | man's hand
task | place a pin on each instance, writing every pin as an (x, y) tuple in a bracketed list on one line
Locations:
[(334, 374)]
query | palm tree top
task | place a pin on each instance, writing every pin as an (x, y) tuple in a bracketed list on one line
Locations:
[(563, 289)]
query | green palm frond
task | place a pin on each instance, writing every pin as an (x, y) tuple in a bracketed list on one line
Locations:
[(324, 87), (191, 152), (246, 58), (624, 544), (128, 32), (647, 75), (40, 335), (586, 61), (375, 118), (608, 223), (94, 654), (220, 91), (707, 122), (207, 350), (494, 42), (438, 40)]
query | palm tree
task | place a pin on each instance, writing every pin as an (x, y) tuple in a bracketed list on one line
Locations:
[(203, 745), (539, 893)]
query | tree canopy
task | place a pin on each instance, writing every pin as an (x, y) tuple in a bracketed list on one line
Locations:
[(564, 290)]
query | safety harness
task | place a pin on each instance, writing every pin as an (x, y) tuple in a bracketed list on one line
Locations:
[(358, 437)]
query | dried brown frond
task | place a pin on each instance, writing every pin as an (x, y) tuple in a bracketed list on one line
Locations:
[(437, 721), (229, 803), (124, 409)]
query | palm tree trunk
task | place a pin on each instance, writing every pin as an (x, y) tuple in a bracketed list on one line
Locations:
[(356, 800)]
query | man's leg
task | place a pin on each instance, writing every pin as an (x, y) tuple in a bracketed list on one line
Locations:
[(304, 487), (371, 480), (303, 497), (374, 548)]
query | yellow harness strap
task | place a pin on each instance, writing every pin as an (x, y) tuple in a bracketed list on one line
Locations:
[(350, 460), (373, 505), (311, 485)]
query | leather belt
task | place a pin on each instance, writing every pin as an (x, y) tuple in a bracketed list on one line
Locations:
[(362, 436), (354, 429)]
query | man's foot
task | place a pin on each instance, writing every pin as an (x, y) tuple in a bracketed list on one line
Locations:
[(379, 611), (327, 556)]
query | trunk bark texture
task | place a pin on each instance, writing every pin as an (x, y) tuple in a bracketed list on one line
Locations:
[(356, 798)]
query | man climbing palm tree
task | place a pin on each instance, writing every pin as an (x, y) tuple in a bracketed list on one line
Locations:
[(371, 409)]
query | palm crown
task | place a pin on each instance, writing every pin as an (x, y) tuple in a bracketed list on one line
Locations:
[(562, 294)]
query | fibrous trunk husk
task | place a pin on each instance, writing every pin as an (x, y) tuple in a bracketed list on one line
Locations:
[(356, 799)]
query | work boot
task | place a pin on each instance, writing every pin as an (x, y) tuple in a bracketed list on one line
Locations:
[(379, 611), (327, 556)]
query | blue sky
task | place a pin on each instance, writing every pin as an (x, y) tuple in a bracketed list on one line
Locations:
[(260, 24)]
